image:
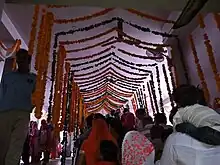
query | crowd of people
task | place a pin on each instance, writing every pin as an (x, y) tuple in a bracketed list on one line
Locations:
[(138, 139), (115, 139), (40, 144)]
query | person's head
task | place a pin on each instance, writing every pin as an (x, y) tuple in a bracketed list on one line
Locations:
[(98, 116), (147, 120), (187, 95), (126, 110), (140, 113), (34, 125), (89, 120), (156, 132), (23, 60), (172, 114), (108, 151), (160, 118)]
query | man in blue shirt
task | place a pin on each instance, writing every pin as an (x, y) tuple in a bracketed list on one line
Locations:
[(15, 107)]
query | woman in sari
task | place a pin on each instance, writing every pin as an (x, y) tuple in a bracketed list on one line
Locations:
[(137, 150), (35, 149), (91, 147)]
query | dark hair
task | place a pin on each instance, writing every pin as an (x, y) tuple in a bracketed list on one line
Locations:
[(156, 132), (166, 133), (126, 110), (99, 116), (147, 120), (21, 53), (160, 118), (89, 120), (186, 95), (109, 151), (140, 111), (172, 114)]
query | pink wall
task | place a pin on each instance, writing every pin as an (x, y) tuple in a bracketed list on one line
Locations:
[(214, 36)]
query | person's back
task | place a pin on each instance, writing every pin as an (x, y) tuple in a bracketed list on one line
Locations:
[(199, 116), (181, 149)]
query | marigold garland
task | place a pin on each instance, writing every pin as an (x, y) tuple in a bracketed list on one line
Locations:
[(168, 85), (41, 62), (170, 65), (58, 87), (88, 38), (199, 69), (33, 30), (151, 99), (84, 18), (64, 93), (210, 53), (159, 89), (217, 19), (91, 46), (176, 80), (73, 105), (153, 91), (148, 16), (58, 6)]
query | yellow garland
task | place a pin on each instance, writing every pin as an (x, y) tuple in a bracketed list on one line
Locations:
[(80, 109), (42, 60), (58, 87), (199, 69), (33, 30), (217, 20), (210, 53)]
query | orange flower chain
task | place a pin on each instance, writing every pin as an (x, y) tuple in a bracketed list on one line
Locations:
[(148, 16), (72, 107), (33, 30), (41, 61), (64, 93), (217, 19), (58, 87), (210, 53), (199, 69), (84, 18), (105, 11)]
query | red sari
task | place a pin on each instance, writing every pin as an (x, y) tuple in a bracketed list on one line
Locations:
[(91, 146)]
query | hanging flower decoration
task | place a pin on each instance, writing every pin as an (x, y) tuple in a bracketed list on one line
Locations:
[(64, 93), (210, 53), (217, 19), (33, 30), (89, 38), (154, 93), (58, 6), (199, 69), (146, 108), (148, 16), (58, 87), (41, 62), (175, 71), (73, 105), (151, 99), (84, 18), (159, 89), (90, 56), (170, 65), (168, 85), (91, 46)]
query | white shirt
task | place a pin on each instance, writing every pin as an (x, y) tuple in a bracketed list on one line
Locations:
[(198, 115), (181, 149)]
